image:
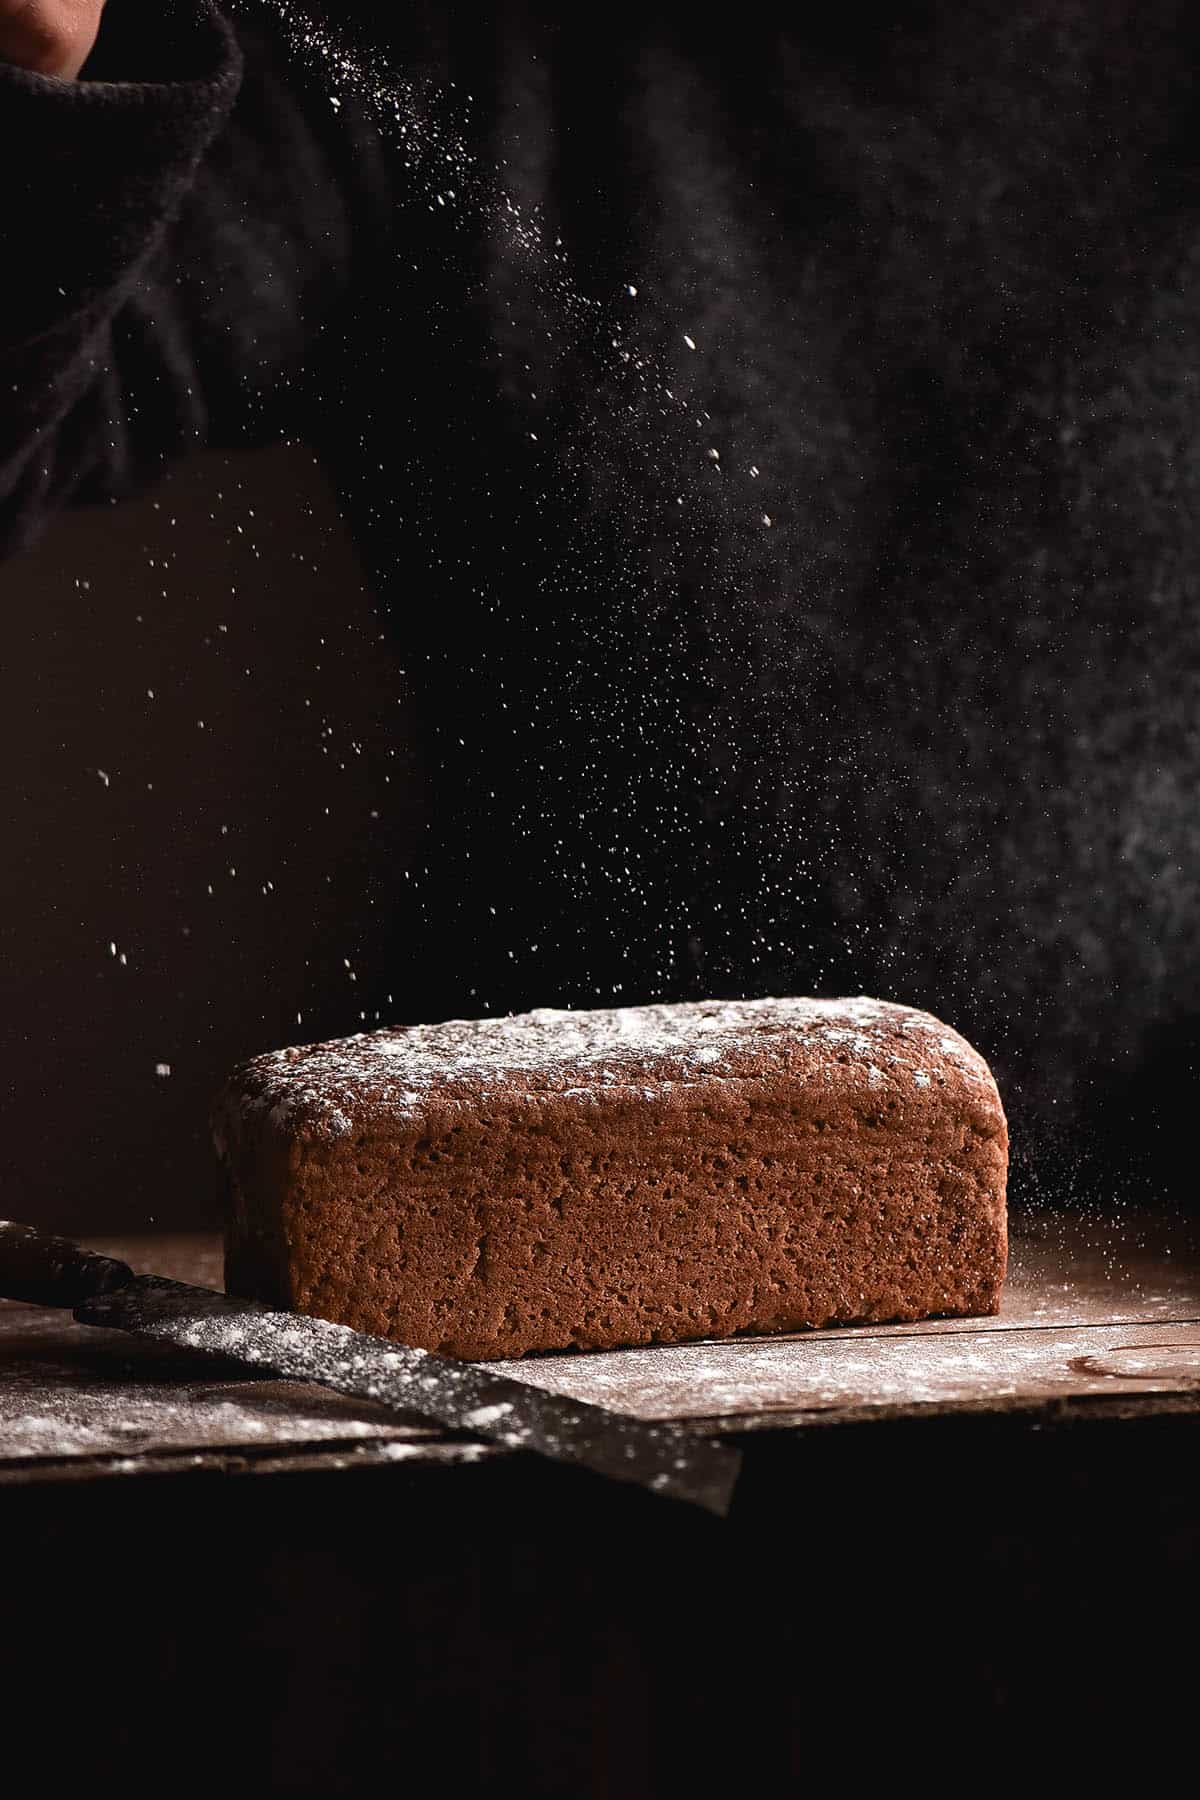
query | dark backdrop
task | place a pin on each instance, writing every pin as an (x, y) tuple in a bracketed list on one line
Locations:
[(203, 767)]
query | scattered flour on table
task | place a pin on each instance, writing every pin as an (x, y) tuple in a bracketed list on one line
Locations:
[(50, 1410)]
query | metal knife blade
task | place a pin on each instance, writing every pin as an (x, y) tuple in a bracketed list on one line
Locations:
[(463, 1395)]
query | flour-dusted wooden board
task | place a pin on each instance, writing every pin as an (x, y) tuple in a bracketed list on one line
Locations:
[(1096, 1309), (76, 1402)]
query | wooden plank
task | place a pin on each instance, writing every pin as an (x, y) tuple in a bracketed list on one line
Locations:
[(1096, 1308), (78, 1400), (125, 1404), (1094, 1269), (740, 1381)]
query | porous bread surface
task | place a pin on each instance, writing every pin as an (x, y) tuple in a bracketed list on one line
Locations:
[(622, 1176)]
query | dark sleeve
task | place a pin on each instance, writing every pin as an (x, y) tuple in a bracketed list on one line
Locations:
[(173, 240)]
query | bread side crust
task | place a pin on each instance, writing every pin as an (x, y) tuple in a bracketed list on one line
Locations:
[(821, 1188)]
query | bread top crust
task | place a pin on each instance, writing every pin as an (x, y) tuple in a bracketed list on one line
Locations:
[(388, 1080)]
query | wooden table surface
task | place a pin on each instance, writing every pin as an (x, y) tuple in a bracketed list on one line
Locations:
[(1099, 1313)]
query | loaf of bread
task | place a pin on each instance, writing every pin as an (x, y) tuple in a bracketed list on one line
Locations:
[(639, 1175)]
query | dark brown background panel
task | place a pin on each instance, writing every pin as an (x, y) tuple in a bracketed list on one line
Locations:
[(205, 800)]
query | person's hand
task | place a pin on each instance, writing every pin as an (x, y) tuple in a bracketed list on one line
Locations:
[(50, 37)]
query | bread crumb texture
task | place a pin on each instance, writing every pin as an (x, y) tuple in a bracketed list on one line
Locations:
[(634, 1175)]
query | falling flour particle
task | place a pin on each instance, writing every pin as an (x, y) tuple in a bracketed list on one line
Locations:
[(434, 145)]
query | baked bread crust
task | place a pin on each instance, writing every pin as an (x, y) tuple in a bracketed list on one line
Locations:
[(627, 1176)]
